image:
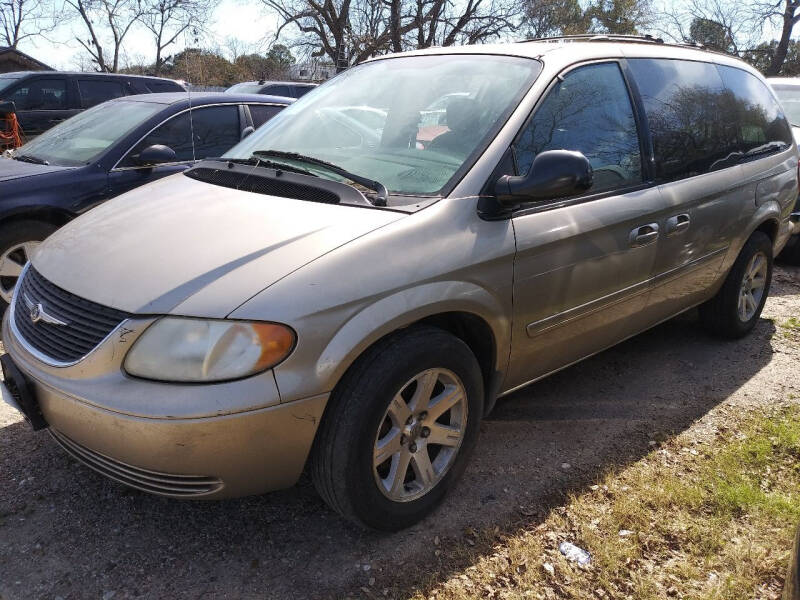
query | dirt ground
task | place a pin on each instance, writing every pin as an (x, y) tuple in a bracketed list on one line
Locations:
[(66, 532)]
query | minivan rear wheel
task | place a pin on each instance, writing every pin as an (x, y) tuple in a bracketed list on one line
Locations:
[(736, 308), (18, 240), (398, 429)]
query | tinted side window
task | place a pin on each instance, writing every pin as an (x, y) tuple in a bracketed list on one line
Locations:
[(262, 113), (41, 94), (759, 118), (278, 90), (301, 90), (162, 86), (589, 111), (692, 117), (216, 129), (97, 91)]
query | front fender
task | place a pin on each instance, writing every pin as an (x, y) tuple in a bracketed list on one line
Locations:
[(375, 320)]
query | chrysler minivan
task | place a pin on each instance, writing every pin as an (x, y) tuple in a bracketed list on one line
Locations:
[(314, 301)]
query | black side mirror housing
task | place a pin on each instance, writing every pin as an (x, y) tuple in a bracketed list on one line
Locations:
[(157, 154), (553, 174)]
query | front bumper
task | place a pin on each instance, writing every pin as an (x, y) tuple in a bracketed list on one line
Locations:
[(211, 441)]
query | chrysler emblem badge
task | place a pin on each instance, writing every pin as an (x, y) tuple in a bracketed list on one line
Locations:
[(38, 313)]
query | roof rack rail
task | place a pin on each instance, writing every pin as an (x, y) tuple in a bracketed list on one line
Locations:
[(616, 37)]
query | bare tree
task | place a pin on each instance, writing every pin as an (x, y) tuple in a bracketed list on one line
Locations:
[(785, 13), (350, 31), (22, 19), (110, 17), (168, 20), (724, 25)]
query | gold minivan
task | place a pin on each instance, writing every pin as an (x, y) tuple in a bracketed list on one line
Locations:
[(351, 287)]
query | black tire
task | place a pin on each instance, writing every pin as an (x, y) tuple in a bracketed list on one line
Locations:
[(19, 232), (791, 252), (342, 458), (720, 315)]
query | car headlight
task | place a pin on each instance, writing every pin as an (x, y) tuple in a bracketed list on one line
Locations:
[(204, 350)]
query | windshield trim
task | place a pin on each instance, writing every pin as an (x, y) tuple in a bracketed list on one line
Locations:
[(471, 160)]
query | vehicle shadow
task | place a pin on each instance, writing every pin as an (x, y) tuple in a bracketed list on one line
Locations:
[(66, 531)]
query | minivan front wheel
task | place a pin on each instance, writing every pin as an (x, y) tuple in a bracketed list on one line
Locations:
[(399, 428), (736, 308)]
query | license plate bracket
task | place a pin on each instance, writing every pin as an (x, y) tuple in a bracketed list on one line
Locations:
[(21, 392)]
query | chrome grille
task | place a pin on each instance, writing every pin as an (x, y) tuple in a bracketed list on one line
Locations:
[(163, 484), (86, 323)]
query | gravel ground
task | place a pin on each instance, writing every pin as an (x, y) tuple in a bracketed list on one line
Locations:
[(66, 532)]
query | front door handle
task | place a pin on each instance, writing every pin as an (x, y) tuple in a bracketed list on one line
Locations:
[(677, 224), (644, 235)]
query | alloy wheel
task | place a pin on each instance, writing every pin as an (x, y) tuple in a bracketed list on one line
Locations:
[(420, 435), (752, 289)]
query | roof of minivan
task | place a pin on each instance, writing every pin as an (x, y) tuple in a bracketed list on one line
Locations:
[(18, 74), (203, 98), (562, 52)]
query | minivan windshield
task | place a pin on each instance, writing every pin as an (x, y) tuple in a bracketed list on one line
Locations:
[(84, 137), (789, 95), (411, 123)]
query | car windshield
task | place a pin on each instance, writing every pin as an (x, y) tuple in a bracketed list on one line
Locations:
[(6, 82), (245, 88), (789, 95), (411, 123), (84, 137)]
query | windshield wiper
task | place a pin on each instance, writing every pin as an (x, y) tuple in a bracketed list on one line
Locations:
[(260, 162), (30, 159), (380, 190), (766, 148)]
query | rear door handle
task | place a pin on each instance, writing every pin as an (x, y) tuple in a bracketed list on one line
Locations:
[(677, 224), (644, 235)]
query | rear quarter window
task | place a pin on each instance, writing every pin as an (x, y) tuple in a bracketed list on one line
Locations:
[(94, 92), (760, 121), (162, 86)]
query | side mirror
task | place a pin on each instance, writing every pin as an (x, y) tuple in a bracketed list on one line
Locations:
[(156, 155), (247, 131), (554, 174)]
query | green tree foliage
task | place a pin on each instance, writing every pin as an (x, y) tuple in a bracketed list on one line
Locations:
[(711, 34), (627, 17)]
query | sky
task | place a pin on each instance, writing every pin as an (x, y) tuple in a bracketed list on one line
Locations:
[(246, 22)]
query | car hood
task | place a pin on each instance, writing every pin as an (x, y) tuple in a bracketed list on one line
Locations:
[(180, 246), (16, 169)]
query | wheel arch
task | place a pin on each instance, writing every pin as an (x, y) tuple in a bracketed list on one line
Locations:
[(471, 314), (52, 215)]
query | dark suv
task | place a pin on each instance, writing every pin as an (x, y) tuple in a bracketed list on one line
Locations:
[(288, 89), (45, 98)]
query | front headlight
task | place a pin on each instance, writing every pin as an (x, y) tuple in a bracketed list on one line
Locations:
[(205, 350)]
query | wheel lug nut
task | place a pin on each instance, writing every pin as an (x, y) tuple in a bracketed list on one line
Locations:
[(403, 440), (425, 432), (413, 447), (423, 415), (409, 420)]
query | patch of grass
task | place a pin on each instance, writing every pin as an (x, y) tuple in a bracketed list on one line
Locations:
[(792, 323), (709, 522)]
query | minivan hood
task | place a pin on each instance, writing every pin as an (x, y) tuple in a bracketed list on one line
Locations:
[(16, 169), (185, 247)]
